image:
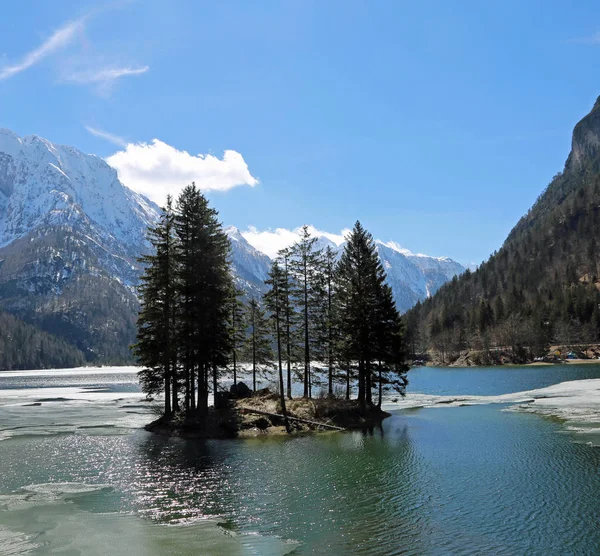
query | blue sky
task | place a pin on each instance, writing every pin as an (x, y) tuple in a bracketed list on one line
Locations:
[(436, 123)]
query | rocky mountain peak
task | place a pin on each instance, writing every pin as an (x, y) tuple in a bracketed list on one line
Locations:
[(585, 145)]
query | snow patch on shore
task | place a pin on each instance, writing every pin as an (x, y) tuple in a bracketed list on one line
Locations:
[(576, 402)]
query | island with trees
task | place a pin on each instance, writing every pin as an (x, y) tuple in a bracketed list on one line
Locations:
[(319, 348)]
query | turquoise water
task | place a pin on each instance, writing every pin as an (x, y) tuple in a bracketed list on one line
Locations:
[(458, 480)]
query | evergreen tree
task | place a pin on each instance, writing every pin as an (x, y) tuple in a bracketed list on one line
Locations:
[(330, 324), (389, 344), (258, 343), (237, 322), (156, 323), (290, 315), (306, 268), (204, 287), (369, 324), (274, 301)]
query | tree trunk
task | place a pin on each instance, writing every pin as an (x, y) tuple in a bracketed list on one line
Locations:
[(175, 402), (361, 383), (281, 392), (193, 389), (168, 410), (368, 383), (380, 387), (253, 361), (348, 381), (330, 338), (306, 346), (214, 373), (234, 367)]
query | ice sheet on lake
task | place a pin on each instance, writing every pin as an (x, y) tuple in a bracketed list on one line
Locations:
[(42, 519), (72, 410), (87, 371), (577, 402)]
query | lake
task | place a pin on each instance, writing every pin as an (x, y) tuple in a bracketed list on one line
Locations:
[(79, 476)]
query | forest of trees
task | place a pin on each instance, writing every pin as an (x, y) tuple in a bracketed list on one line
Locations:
[(542, 287), (328, 325), (23, 346)]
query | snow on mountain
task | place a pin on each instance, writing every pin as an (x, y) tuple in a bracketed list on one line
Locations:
[(45, 184), (412, 277), (250, 266), (71, 233)]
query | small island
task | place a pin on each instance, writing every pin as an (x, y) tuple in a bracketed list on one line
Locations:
[(260, 414), (325, 321)]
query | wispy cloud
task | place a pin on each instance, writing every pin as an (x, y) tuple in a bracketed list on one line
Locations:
[(591, 39), (60, 39), (156, 169), (114, 139), (103, 75), (78, 67)]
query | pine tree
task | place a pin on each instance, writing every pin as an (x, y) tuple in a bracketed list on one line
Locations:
[(204, 286), (258, 343), (274, 301), (290, 315), (364, 300), (389, 346), (329, 265), (237, 322), (306, 268), (155, 349)]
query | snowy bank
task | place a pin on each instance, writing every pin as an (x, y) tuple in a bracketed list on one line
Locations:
[(576, 402)]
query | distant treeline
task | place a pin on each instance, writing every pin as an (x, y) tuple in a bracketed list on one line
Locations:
[(194, 326), (23, 346)]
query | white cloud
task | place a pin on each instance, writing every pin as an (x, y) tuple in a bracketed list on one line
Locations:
[(270, 242), (115, 139), (156, 169), (104, 77), (59, 40)]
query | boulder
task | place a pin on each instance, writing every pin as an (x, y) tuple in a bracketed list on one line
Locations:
[(240, 390)]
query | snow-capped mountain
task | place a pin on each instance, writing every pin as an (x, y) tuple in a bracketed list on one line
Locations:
[(250, 266), (415, 277), (43, 185), (412, 277), (71, 234)]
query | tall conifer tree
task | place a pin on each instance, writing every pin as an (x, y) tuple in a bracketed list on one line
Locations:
[(204, 286), (258, 344), (364, 300), (274, 301), (306, 267), (237, 322), (155, 347)]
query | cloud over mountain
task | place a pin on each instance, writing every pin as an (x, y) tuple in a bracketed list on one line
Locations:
[(156, 169)]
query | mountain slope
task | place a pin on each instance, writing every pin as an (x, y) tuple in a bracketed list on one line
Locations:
[(70, 235), (542, 285), (250, 266)]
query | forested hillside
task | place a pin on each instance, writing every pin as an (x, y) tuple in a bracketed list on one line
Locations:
[(23, 346), (542, 286)]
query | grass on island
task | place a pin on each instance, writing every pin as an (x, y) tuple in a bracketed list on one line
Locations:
[(237, 419)]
